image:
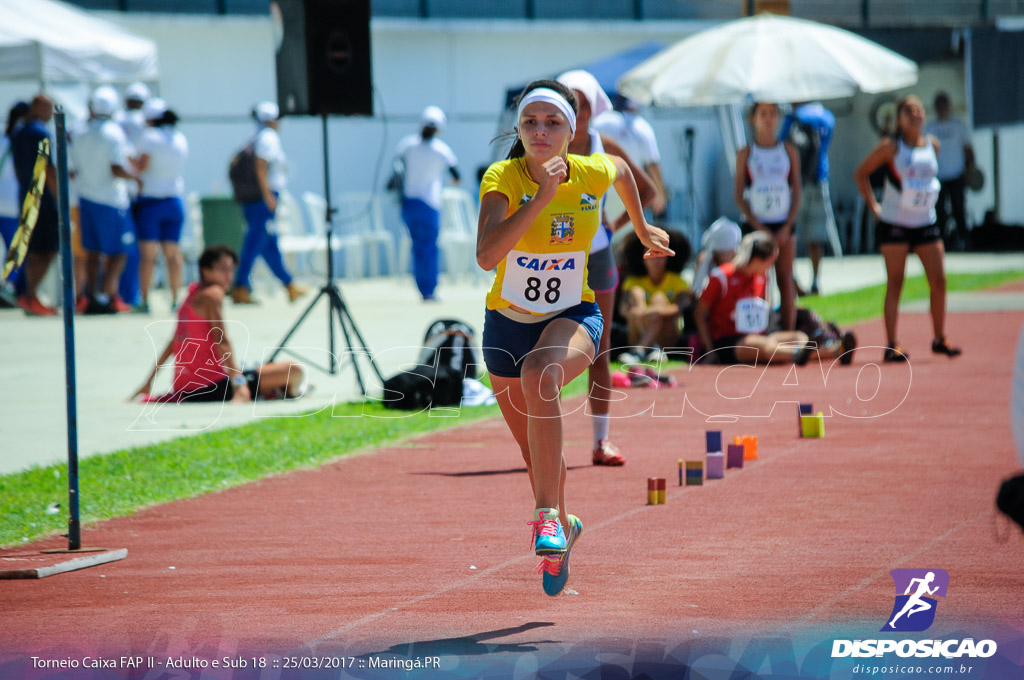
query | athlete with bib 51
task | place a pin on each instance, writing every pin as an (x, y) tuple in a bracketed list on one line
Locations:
[(538, 214)]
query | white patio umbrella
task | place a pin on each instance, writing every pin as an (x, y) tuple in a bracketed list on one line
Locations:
[(769, 58)]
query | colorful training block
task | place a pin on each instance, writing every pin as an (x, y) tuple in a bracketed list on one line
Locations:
[(813, 426), (749, 443), (803, 410), (694, 473), (735, 459), (681, 472), (656, 491), (716, 465), (713, 438)]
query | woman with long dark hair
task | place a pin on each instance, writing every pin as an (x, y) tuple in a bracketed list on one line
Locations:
[(906, 219), (767, 191), (538, 215)]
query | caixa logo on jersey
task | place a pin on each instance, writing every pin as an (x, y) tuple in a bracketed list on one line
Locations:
[(916, 603)]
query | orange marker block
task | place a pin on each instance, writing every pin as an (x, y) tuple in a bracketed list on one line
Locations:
[(749, 443)]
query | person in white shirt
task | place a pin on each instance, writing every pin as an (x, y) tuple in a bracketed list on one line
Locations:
[(425, 158), (160, 213), (956, 159), (132, 118), (636, 137), (10, 210), (100, 157), (272, 176), (133, 121)]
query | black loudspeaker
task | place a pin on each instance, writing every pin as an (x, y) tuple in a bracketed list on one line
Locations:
[(323, 61)]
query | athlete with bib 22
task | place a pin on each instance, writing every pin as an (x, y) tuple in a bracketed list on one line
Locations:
[(538, 214)]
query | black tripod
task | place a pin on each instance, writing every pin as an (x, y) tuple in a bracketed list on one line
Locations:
[(336, 307)]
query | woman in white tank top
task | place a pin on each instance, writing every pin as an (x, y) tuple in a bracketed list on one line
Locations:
[(767, 191), (906, 219), (601, 269)]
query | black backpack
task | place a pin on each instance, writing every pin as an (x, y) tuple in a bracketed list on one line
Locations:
[(808, 145), (447, 357), (242, 172)]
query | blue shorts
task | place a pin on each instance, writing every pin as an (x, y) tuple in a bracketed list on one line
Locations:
[(159, 219), (506, 342), (105, 229)]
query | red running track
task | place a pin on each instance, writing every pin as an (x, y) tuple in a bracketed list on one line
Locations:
[(426, 542)]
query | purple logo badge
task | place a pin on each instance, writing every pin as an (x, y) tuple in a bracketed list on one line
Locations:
[(916, 590)]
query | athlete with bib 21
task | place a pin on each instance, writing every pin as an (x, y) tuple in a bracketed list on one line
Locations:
[(538, 214)]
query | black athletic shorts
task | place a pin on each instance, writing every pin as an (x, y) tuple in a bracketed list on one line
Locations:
[(725, 348), (222, 390), (912, 236), (45, 237), (773, 227)]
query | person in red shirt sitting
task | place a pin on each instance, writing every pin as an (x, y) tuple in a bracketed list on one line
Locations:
[(205, 368), (732, 313)]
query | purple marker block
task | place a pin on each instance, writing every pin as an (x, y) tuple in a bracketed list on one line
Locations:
[(714, 441), (735, 456), (802, 410), (715, 468)]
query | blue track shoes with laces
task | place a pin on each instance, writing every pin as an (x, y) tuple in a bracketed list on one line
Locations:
[(548, 536), (555, 569)]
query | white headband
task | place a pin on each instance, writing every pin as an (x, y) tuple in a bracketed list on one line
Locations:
[(543, 94)]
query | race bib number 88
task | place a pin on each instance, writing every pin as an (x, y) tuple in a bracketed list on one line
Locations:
[(543, 282)]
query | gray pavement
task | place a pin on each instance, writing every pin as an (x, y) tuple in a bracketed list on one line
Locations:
[(114, 354)]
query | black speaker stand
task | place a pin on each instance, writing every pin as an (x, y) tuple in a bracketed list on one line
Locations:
[(336, 307)]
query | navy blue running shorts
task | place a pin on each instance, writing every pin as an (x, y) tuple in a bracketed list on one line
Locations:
[(507, 342)]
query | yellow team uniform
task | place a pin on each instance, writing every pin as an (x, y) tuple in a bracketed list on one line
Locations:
[(546, 271), (672, 285)]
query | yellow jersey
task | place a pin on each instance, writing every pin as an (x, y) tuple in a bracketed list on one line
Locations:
[(672, 285), (546, 271)]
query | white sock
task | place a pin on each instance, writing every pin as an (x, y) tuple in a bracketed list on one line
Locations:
[(600, 423)]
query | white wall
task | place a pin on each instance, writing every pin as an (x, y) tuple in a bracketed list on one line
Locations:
[(213, 69)]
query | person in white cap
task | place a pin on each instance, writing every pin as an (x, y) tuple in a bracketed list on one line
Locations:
[(602, 272), (636, 136), (100, 156), (133, 118), (272, 177), (425, 158), (717, 246), (160, 213)]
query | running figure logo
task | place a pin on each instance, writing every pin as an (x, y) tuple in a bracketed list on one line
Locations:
[(914, 609)]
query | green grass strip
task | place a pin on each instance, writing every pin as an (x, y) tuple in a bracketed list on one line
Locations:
[(866, 303), (122, 482)]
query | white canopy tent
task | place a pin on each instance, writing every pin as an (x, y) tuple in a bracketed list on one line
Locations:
[(52, 42)]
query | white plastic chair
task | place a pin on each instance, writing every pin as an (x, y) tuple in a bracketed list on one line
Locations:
[(297, 245), (457, 240), (360, 214), (349, 245)]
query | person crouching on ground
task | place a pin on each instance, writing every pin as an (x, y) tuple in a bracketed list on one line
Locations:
[(205, 367), (732, 313)]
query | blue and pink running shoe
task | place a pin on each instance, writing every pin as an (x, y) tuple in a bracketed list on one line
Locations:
[(548, 536), (555, 568)]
